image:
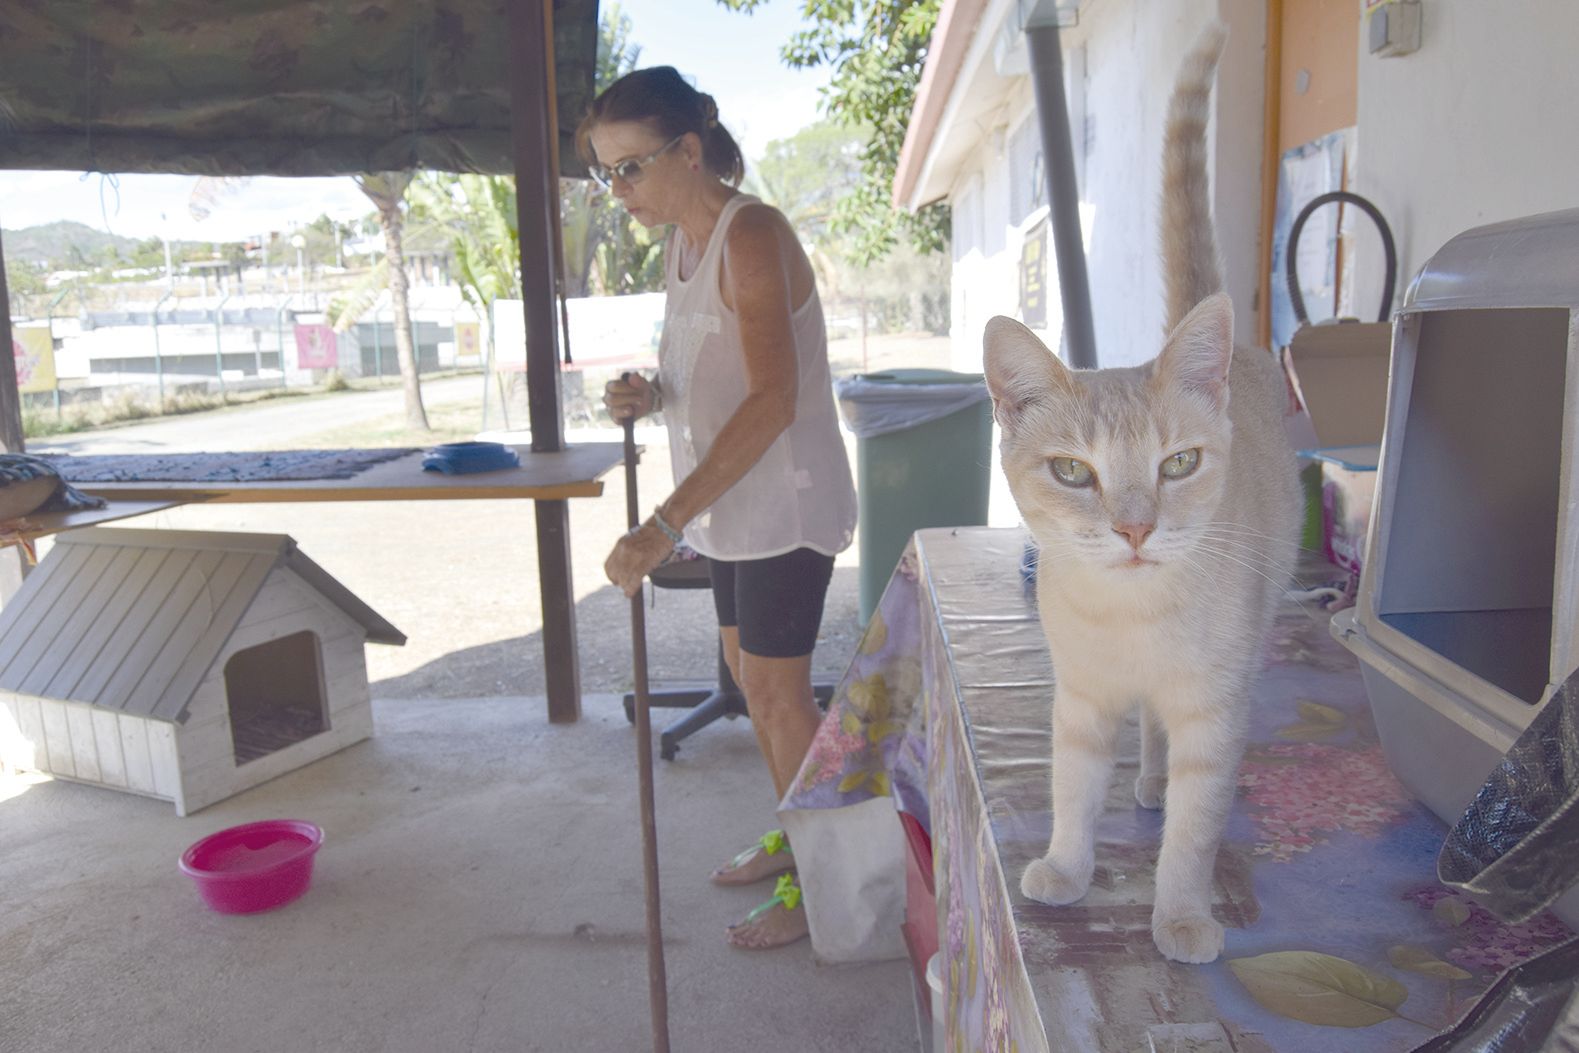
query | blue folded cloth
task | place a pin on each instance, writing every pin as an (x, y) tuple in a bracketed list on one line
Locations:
[(464, 458)]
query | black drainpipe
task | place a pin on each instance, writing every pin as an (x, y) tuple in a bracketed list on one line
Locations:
[(1040, 23)]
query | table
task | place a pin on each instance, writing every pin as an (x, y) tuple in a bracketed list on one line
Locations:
[(945, 713), (575, 471), (28, 528)]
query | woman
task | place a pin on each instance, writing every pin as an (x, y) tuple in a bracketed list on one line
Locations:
[(763, 487)]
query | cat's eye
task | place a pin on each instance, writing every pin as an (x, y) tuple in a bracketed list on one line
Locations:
[(1071, 472), (1181, 464)]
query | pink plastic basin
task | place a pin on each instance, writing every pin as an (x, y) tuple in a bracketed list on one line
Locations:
[(253, 867)]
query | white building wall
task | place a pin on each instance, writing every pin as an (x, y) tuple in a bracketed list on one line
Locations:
[(1475, 127), (1122, 59), (1121, 62), (1132, 54)]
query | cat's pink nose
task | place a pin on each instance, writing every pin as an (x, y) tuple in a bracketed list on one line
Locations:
[(1137, 533)]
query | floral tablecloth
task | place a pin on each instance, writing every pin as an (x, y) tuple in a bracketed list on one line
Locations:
[(1340, 939)]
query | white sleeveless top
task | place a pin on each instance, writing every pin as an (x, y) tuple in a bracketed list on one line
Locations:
[(799, 494)]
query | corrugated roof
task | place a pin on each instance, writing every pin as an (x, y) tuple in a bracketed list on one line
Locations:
[(131, 620)]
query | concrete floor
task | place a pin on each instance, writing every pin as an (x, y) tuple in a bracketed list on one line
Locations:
[(479, 888)]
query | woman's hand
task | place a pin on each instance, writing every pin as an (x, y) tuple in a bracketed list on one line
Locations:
[(629, 397), (635, 555)]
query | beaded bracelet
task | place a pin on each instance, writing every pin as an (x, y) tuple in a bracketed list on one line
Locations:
[(669, 532)]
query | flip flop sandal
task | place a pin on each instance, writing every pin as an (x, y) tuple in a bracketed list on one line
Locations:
[(769, 856), (786, 894)]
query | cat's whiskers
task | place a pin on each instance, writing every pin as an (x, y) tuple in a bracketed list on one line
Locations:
[(1249, 548), (1240, 528), (1286, 587)]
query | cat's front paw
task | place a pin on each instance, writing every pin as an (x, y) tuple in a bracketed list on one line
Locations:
[(1196, 938), (1046, 883), (1149, 790)]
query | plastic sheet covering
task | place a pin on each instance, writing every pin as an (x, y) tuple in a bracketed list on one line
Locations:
[(875, 404), (1517, 847), (1533, 1008), (281, 87)]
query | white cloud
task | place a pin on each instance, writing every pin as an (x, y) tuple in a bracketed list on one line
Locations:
[(145, 206)]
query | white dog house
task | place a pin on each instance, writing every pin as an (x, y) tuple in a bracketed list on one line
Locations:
[(182, 665)]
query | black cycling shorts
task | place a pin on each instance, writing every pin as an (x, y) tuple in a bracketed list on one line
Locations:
[(775, 602)]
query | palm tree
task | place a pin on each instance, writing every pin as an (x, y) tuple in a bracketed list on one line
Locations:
[(386, 190)]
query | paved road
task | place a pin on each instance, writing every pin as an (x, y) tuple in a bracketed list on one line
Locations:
[(261, 426)]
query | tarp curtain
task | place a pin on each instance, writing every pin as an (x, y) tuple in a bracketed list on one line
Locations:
[(274, 87)]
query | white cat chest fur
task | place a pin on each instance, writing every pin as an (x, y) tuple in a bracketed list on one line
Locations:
[(182, 665), (1468, 610)]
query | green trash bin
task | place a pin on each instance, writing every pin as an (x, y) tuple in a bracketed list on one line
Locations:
[(923, 459)]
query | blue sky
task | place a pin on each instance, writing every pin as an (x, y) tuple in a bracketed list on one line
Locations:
[(734, 57)]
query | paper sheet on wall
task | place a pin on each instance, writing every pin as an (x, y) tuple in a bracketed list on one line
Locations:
[(1303, 173)]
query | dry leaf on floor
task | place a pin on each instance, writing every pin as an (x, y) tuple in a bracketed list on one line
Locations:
[(1319, 988), (1419, 960)]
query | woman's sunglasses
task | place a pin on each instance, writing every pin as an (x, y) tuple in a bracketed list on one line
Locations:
[(631, 170)]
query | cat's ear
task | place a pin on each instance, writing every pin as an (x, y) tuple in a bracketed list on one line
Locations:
[(1200, 349), (1021, 371)]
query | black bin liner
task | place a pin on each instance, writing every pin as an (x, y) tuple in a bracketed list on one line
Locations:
[(1517, 847), (1515, 851), (1532, 1008)]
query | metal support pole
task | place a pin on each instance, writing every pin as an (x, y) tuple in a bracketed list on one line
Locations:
[(535, 139), (158, 358), (49, 321), (1052, 110), (487, 367), (378, 347), (219, 358), (279, 331)]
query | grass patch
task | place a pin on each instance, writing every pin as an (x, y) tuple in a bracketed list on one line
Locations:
[(449, 422), (128, 407)]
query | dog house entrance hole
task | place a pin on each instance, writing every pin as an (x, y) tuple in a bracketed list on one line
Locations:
[(276, 695)]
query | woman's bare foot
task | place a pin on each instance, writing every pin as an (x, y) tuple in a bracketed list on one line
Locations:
[(779, 921), (769, 856)]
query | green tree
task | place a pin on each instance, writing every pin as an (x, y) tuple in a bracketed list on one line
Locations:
[(605, 250), (805, 177), (877, 49), (387, 190), (478, 213), (25, 283)]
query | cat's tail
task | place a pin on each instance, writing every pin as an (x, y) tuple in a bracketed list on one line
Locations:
[(1189, 247)]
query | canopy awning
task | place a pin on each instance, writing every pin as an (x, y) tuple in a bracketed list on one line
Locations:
[(275, 87)]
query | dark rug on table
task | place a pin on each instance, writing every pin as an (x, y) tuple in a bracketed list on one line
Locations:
[(258, 466)]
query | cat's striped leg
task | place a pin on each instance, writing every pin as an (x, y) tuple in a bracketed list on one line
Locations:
[(1085, 734), (1205, 740)]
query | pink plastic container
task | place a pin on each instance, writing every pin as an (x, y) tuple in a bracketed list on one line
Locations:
[(254, 867)]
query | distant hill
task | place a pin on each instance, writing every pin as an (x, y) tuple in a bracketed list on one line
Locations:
[(62, 243), (68, 245)]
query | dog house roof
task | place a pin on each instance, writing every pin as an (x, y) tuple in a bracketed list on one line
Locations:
[(131, 620)]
